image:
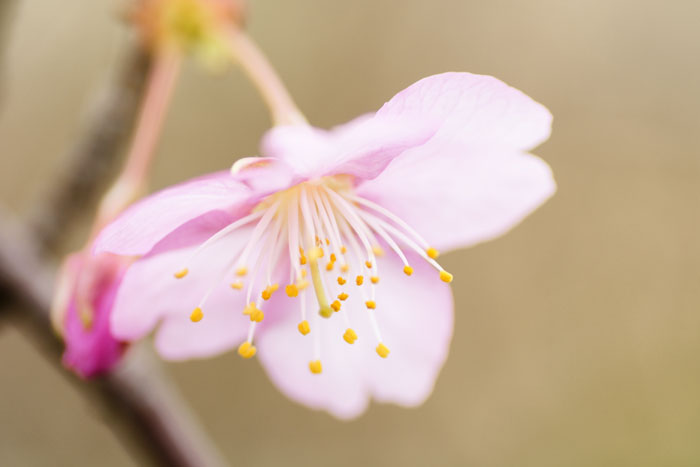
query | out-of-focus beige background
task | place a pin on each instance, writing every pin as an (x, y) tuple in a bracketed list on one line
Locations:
[(577, 339)]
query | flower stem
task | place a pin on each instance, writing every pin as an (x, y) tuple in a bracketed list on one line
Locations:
[(131, 181), (261, 73)]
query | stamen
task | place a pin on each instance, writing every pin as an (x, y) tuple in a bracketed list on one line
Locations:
[(343, 296), (407, 241), (196, 315), (350, 336), (359, 280), (382, 350), (224, 231), (315, 367), (292, 290), (371, 304), (329, 222), (242, 271), (432, 253), (341, 281), (304, 328), (392, 244), (254, 312), (408, 270), (374, 279), (391, 216), (335, 305), (238, 285), (269, 290), (246, 350), (445, 276)]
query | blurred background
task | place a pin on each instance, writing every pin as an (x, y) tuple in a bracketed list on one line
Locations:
[(577, 335)]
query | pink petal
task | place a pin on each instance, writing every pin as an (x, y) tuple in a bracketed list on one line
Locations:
[(475, 108), (93, 350), (456, 195), (362, 147), (150, 293), (415, 316), (148, 221), (222, 328)]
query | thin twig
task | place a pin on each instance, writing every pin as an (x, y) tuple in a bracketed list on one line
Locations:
[(92, 160), (139, 401)]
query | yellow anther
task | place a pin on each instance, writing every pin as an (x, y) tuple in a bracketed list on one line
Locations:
[(343, 296), (238, 285), (350, 336), (315, 253), (378, 251), (370, 304), (445, 276), (242, 271), (269, 290), (359, 280), (303, 273), (329, 266), (408, 270), (302, 284), (382, 350), (368, 264), (432, 253), (335, 305), (196, 315), (343, 250), (341, 281), (301, 251), (302, 260), (328, 242), (374, 279), (315, 367), (333, 258), (250, 308), (325, 311), (318, 240), (247, 350), (181, 274), (304, 328), (345, 267), (257, 315), (292, 290)]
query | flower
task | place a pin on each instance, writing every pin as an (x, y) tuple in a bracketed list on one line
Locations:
[(82, 309), (200, 27), (346, 222)]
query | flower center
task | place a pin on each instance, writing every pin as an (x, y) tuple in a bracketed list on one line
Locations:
[(331, 241)]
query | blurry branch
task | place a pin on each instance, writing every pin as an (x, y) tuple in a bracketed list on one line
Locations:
[(139, 403), (88, 165), (7, 11)]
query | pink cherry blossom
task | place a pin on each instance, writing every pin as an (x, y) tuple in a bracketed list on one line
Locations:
[(347, 224), (84, 306)]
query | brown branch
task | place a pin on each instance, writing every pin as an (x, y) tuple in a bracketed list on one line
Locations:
[(7, 11), (92, 160), (140, 403)]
